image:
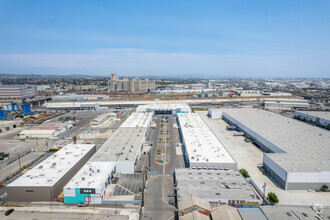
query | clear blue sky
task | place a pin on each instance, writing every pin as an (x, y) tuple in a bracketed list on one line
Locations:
[(289, 38)]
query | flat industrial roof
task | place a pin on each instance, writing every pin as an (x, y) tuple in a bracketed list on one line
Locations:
[(163, 106), (104, 116), (307, 147), (51, 170), (121, 146), (222, 184), (92, 175), (288, 212), (38, 132), (201, 144), (138, 120), (318, 114)]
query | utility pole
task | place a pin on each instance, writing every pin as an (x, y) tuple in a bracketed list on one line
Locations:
[(263, 200)]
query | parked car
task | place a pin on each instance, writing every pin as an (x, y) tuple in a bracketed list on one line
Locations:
[(170, 202), (8, 212), (170, 194)]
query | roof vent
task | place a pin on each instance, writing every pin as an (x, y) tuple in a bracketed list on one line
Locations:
[(83, 178)]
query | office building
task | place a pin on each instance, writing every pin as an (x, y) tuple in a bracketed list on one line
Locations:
[(134, 85), (17, 93)]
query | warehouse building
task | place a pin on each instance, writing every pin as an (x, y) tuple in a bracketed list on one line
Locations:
[(89, 134), (45, 182), (285, 103), (218, 187), (90, 184), (201, 148), (102, 118), (317, 117), (171, 109), (45, 130), (297, 155), (8, 125), (123, 147), (138, 120)]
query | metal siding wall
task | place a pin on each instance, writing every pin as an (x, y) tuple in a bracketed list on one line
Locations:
[(276, 168)]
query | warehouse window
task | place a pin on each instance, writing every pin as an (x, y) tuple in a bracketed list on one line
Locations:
[(29, 190)]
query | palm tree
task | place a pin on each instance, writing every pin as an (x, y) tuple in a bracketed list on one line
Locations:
[(74, 139)]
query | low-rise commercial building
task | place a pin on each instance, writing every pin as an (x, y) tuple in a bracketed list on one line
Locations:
[(8, 125), (45, 130), (201, 148), (218, 187), (90, 184), (297, 154), (192, 204), (123, 147), (102, 118), (45, 182)]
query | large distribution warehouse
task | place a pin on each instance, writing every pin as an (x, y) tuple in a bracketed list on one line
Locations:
[(201, 147), (46, 181), (298, 154), (320, 118), (90, 184)]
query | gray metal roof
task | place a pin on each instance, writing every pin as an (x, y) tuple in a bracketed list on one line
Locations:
[(251, 214), (222, 184), (306, 147), (121, 146), (288, 212)]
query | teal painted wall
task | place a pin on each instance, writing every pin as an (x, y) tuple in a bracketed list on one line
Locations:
[(79, 198)]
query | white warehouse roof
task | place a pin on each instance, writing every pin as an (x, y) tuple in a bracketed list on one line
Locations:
[(301, 147), (121, 146), (201, 144), (163, 107), (138, 120), (50, 171), (92, 175)]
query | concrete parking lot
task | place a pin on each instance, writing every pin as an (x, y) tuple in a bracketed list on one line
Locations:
[(248, 156)]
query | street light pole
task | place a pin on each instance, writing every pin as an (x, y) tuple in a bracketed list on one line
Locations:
[(263, 201)]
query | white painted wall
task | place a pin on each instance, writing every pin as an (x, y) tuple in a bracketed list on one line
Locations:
[(312, 177), (126, 167)]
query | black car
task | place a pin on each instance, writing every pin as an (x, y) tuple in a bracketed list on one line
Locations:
[(9, 211)]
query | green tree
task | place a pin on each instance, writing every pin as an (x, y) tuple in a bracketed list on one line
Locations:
[(272, 198), (324, 188), (244, 173), (74, 139)]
